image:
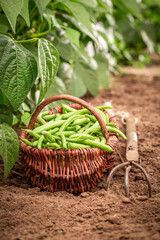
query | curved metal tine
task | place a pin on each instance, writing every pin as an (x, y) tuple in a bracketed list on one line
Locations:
[(113, 171), (146, 175), (127, 181)]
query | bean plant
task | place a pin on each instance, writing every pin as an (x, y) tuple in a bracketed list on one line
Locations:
[(64, 46)]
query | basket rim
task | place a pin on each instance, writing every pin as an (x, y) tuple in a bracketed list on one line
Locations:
[(112, 140)]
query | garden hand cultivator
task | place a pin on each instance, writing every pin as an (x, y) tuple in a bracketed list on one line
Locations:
[(131, 156)]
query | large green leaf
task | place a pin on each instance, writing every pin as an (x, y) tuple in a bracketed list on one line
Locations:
[(132, 6), (9, 147), (6, 115), (102, 70), (152, 2), (41, 5), (89, 3), (77, 86), (57, 87), (25, 12), (12, 9), (73, 35), (25, 118), (3, 99), (66, 51), (89, 77), (48, 62), (4, 24), (79, 12), (18, 70)]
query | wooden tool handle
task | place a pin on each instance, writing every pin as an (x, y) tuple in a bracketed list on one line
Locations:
[(132, 142)]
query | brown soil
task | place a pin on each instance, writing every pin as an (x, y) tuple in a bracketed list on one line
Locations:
[(27, 213)]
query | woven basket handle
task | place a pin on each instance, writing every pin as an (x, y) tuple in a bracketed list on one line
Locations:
[(72, 99)]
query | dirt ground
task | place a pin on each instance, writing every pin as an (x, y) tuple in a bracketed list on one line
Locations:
[(27, 213)]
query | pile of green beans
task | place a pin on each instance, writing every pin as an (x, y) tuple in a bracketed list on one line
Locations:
[(72, 129)]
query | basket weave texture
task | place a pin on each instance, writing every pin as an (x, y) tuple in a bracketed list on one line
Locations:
[(75, 170)]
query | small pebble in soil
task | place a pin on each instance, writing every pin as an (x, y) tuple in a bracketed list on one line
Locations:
[(126, 200), (113, 220), (142, 198), (84, 194)]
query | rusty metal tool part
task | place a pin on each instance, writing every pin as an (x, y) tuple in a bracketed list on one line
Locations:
[(131, 157)]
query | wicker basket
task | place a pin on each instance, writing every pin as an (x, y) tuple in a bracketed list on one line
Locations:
[(75, 170)]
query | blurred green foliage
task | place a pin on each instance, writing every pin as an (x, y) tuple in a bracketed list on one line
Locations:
[(92, 37)]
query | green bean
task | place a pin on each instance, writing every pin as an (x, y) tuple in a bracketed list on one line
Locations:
[(49, 125), (102, 140), (26, 141), (77, 128), (110, 129), (32, 133), (34, 144), (48, 136), (97, 139), (103, 116), (68, 108), (91, 117), (85, 127), (64, 145), (58, 116), (92, 129), (39, 145), (111, 124), (80, 121), (92, 144), (41, 120), (107, 118), (82, 112), (36, 125), (82, 136), (44, 113), (71, 128), (98, 145), (68, 121), (104, 107), (52, 146), (54, 130), (49, 117), (66, 133), (77, 145)]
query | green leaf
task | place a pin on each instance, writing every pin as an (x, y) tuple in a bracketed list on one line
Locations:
[(48, 62), (89, 77), (15, 120), (102, 70), (5, 115), (3, 99), (66, 51), (152, 2), (89, 3), (12, 10), (25, 12), (133, 7), (9, 147), (73, 35), (18, 70), (4, 24), (25, 118), (79, 12), (41, 5), (77, 87), (57, 87)]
